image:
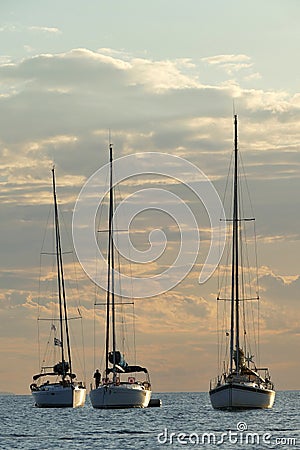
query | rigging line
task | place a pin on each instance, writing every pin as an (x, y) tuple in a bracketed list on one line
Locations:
[(100, 218), (223, 278), (94, 335), (118, 263), (45, 357), (78, 343), (246, 184), (227, 299), (219, 337), (224, 275), (257, 338), (58, 262), (50, 211), (110, 274), (70, 245), (38, 312), (241, 249), (254, 331), (83, 348), (235, 319), (242, 283), (245, 237), (98, 274), (228, 178), (123, 317), (53, 319), (222, 344), (116, 303), (108, 306), (255, 325), (246, 278), (218, 340), (39, 344), (65, 303), (112, 212), (64, 292), (134, 341), (54, 286), (219, 269), (131, 289), (101, 359), (256, 262), (225, 336), (255, 328), (94, 314), (258, 332), (224, 327), (224, 340), (47, 225), (50, 253), (254, 226)]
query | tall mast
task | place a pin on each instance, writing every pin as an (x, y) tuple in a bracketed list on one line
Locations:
[(234, 325), (58, 264), (236, 221), (110, 296), (63, 313), (64, 303), (112, 261)]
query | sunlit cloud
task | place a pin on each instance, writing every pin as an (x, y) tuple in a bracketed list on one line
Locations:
[(230, 63), (62, 106)]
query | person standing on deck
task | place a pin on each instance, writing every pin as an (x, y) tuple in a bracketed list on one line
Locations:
[(97, 376)]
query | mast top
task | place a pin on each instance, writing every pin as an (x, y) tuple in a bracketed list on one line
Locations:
[(235, 133)]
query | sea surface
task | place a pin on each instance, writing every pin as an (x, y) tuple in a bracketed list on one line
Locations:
[(185, 420)]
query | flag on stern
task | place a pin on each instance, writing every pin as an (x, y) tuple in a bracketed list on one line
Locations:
[(57, 342)]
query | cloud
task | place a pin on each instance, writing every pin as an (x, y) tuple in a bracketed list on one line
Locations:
[(225, 59), (16, 27), (59, 107), (281, 290), (63, 104), (174, 311), (9, 28), (253, 76), (42, 29), (229, 63)]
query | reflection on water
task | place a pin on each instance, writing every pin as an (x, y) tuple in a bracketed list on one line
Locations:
[(186, 420)]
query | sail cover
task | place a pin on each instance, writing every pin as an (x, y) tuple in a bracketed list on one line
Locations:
[(128, 369)]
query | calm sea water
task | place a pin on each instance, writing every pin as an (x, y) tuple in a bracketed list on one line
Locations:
[(186, 420)]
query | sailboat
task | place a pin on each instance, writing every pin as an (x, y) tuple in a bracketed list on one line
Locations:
[(122, 385), (240, 384), (64, 391)]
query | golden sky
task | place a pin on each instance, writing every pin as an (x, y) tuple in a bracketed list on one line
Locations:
[(162, 79)]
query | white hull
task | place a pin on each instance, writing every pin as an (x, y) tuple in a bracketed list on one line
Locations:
[(57, 396), (241, 396), (122, 396)]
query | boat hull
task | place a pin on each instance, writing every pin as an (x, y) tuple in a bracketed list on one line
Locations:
[(241, 396), (121, 396), (58, 396)]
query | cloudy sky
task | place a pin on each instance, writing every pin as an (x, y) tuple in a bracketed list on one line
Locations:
[(163, 76)]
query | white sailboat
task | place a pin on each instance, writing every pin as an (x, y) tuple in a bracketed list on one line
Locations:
[(240, 384), (122, 385), (64, 391)]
